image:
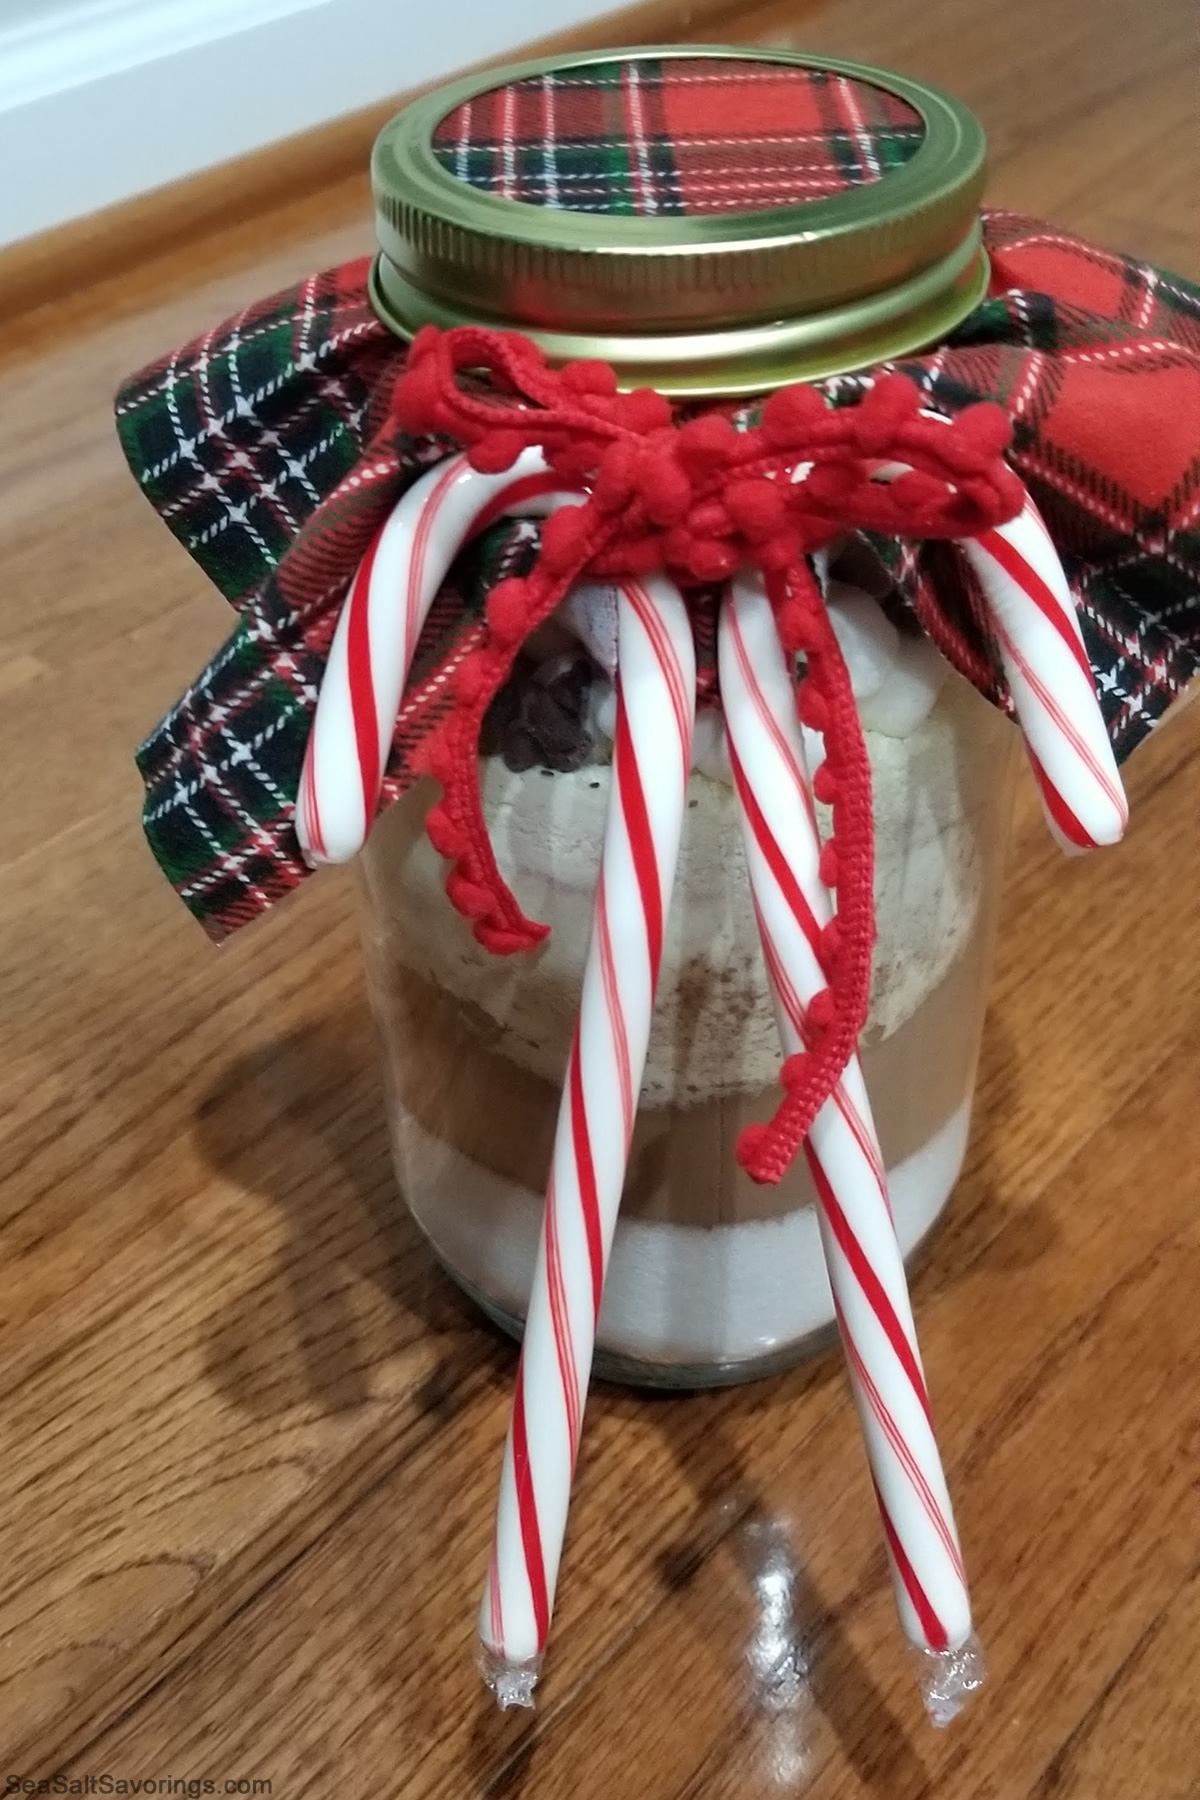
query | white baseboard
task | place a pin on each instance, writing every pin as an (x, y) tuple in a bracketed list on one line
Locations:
[(101, 100)]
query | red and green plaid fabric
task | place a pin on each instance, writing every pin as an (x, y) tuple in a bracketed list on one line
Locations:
[(262, 446), (681, 134)]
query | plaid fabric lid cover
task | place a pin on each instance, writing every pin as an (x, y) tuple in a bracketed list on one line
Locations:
[(265, 449), (678, 135)]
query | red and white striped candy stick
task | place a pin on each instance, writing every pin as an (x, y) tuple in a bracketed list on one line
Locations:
[(1037, 633), (656, 700), (376, 636), (865, 1264)]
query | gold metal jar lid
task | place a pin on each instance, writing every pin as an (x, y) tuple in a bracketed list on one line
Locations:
[(710, 220)]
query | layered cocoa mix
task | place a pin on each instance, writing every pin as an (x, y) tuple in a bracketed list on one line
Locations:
[(707, 1267)]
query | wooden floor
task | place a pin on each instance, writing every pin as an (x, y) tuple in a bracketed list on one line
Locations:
[(249, 1436)]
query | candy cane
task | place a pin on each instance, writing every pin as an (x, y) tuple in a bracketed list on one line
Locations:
[(656, 684), (864, 1260), (376, 637), (1036, 627), (1050, 679)]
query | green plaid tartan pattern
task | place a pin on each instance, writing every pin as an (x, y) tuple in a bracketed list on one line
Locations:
[(265, 448), (693, 135)]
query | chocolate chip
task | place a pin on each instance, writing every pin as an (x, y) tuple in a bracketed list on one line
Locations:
[(551, 715), (539, 717), (520, 752), (505, 709)]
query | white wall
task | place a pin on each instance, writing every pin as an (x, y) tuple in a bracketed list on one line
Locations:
[(104, 99)]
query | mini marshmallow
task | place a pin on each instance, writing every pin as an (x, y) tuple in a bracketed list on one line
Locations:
[(814, 749), (710, 747), (869, 641), (910, 691), (602, 709), (589, 612)]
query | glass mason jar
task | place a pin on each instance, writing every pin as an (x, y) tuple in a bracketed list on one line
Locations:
[(483, 213)]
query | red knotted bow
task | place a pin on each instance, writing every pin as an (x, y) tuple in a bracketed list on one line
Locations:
[(699, 499)]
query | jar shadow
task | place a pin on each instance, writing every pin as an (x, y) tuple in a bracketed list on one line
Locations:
[(986, 1229), (300, 1124)]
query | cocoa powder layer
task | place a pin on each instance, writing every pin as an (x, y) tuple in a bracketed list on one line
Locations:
[(477, 1045), (447, 1070)]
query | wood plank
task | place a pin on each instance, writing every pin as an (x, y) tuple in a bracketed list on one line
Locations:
[(1137, 1718), (667, 1599)]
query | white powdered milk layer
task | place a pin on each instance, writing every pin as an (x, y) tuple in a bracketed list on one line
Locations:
[(674, 1293), (714, 1030)]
